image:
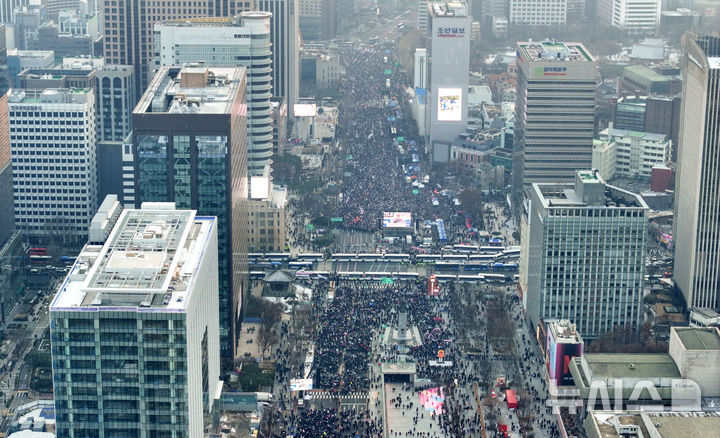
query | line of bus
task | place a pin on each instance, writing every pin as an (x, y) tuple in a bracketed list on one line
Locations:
[(310, 257)]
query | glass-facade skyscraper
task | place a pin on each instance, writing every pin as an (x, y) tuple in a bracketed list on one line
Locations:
[(189, 147)]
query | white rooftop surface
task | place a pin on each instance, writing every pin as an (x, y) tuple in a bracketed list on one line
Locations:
[(714, 62), (31, 434), (149, 261)]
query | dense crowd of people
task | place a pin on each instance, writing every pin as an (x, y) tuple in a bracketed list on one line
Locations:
[(368, 108)]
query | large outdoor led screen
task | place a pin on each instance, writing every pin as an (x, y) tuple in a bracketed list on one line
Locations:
[(449, 104), (395, 219)]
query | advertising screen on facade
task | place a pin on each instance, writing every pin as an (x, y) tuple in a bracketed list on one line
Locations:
[(396, 219), (449, 104)]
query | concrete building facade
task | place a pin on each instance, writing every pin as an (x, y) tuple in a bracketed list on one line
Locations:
[(696, 224), (585, 254), (630, 154), (534, 13), (52, 143), (448, 58), (555, 112), (134, 329)]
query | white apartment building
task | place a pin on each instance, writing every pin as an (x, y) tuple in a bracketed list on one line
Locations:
[(538, 12), (632, 16), (243, 40), (52, 144), (134, 329), (619, 152)]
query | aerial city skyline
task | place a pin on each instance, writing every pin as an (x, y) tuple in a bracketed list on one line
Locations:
[(385, 218)]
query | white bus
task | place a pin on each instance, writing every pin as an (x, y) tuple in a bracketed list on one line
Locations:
[(394, 257)]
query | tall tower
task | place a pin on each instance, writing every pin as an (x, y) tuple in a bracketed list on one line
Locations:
[(134, 328), (189, 145), (244, 41), (696, 233), (128, 29), (285, 47), (555, 113), (448, 60)]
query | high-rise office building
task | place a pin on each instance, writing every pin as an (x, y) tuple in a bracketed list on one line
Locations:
[(115, 88), (7, 210), (532, 13), (4, 73), (285, 40), (134, 329), (190, 148), (448, 60), (243, 40), (584, 253), (554, 112), (318, 19), (128, 38), (52, 143), (696, 233), (632, 16)]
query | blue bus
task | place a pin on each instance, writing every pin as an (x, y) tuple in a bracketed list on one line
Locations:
[(310, 257), (505, 267), (300, 265), (482, 267), (447, 266)]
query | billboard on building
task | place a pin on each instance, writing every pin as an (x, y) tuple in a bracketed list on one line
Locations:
[(449, 104), (559, 355), (397, 219)]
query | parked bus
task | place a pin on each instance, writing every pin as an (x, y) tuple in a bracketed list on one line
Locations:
[(473, 279), (428, 258), (256, 256), (300, 265), (310, 257), (370, 257), (455, 257), (258, 275), (481, 258), (339, 257), (41, 251), (447, 266), (278, 256), (40, 259), (506, 267), (495, 278), (481, 267), (490, 250), (350, 275), (442, 278), (406, 275), (466, 249), (394, 257)]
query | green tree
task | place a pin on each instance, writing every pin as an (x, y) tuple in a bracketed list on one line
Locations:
[(252, 377)]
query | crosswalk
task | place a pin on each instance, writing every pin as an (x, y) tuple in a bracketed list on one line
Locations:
[(326, 395)]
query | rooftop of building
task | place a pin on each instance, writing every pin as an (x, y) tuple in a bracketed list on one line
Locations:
[(193, 89), (49, 95), (148, 262), (699, 338), (647, 136), (448, 9), (236, 21), (631, 365), (589, 190), (555, 51), (705, 312), (31, 53), (710, 44), (645, 75), (56, 73), (564, 332), (613, 424)]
